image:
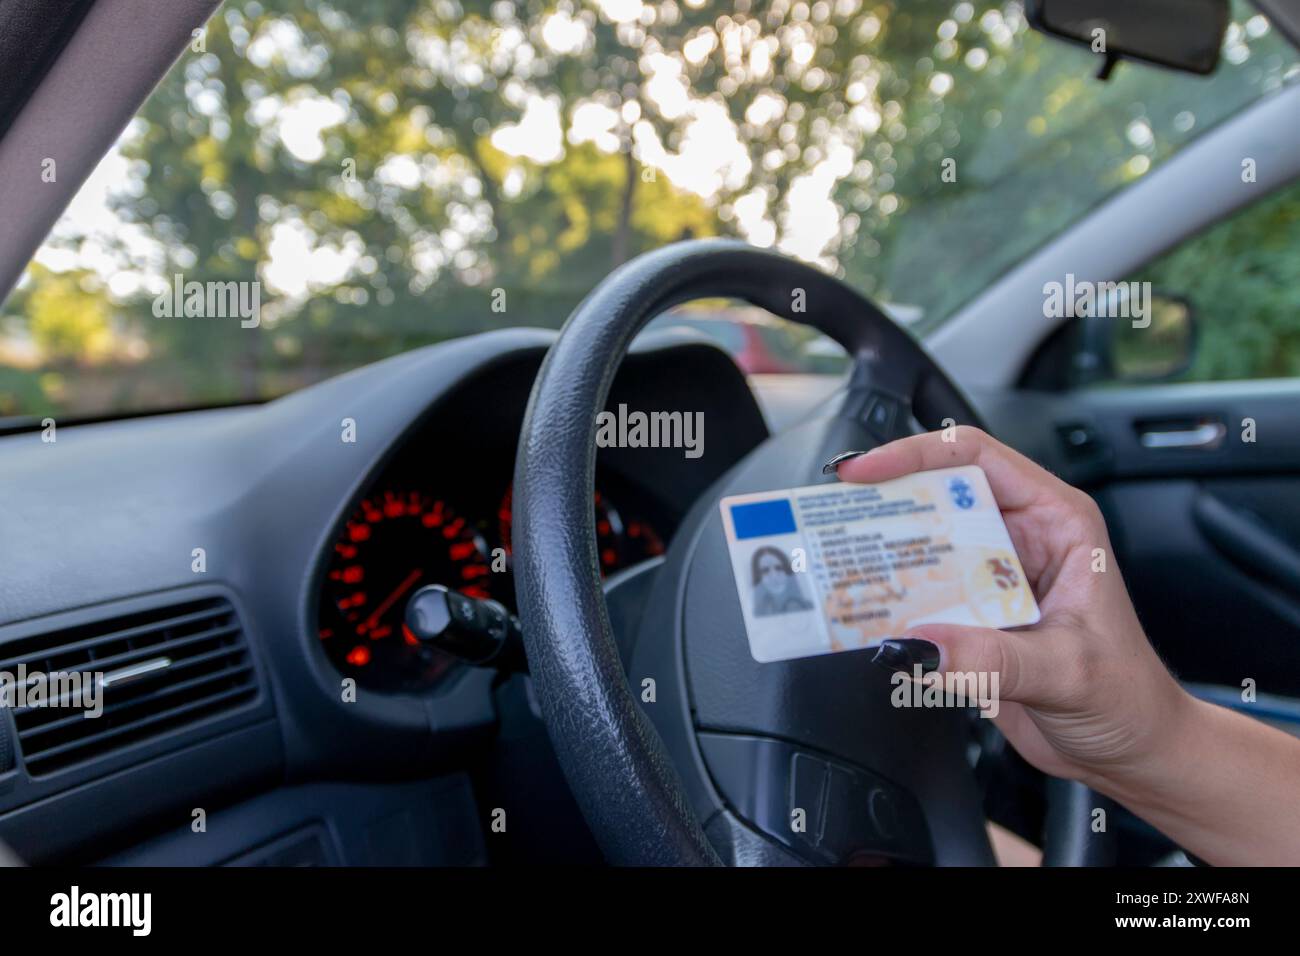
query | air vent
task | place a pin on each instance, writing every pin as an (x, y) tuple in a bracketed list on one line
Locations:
[(158, 670)]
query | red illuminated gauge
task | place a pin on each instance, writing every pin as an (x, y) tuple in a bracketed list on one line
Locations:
[(640, 541), (617, 544), (393, 545), (609, 536)]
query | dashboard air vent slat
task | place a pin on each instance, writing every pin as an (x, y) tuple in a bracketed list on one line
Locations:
[(138, 635), (122, 661), (157, 670), (161, 692)]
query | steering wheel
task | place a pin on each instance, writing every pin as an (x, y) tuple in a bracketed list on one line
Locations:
[(716, 757)]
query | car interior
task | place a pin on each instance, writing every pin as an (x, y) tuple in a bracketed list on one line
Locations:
[(243, 563)]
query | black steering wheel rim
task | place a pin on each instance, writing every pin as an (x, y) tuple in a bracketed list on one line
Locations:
[(623, 778)]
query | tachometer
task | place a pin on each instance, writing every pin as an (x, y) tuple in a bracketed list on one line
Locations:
[(394, 544), (618, 544)]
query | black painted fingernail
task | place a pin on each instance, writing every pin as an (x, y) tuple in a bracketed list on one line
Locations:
[(904, 653), (830, 466)]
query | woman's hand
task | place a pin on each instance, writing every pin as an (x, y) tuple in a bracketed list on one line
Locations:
[(1082, 691), (1082, 694)]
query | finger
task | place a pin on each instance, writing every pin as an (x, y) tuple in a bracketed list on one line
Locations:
[(1023, 662), (1016, 481)]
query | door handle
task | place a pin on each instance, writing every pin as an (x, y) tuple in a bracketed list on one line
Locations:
[(1204, 436)]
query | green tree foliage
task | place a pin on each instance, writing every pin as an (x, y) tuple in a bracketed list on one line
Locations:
[(69, 317), (1242, 278), (935, 144)]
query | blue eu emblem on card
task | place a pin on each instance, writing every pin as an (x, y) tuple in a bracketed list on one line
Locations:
[(962, 494)]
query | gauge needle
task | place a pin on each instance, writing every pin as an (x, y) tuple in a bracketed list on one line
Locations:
[(389, 601)]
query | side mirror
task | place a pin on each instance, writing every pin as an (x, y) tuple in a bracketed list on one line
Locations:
[(1119, 350), (1183, 35)]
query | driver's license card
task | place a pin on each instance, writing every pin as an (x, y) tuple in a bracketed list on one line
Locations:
[(838, 567)]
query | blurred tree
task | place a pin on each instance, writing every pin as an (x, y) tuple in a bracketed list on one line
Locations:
[(383, 167), (69, 316), (1243, 280)]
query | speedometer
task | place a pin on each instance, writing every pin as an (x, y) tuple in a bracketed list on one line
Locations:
[(392, 545)]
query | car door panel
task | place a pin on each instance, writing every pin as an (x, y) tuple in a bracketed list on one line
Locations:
[(1205, 522)]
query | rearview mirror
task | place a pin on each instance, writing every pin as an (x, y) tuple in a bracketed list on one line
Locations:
[(1180, 34)]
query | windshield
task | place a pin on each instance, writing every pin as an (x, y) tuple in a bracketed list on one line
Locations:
[(321, 183)]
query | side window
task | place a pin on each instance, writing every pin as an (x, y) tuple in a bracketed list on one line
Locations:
[(1224, 305)]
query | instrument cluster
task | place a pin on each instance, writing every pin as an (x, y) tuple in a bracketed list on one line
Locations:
[(402, 536)]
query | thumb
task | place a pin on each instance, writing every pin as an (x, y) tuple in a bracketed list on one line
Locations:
[(1020, 660)]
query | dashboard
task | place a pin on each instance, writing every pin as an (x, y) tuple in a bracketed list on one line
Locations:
[(416, 528), (237, 516), (439, 511)]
